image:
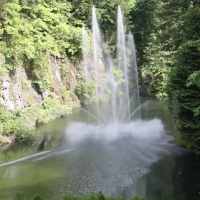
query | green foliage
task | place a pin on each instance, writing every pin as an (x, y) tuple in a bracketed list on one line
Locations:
[(119, 76), (40, 74), (17, 33), (2, 22), (34, 29), (52, 109), (138, 198), (92, 196), (155, 70), (8, 121), (37, 197), (194, 78), (19, 196), (2, 9), (66, 95), (143, 17), (158, 29), (69, 197), (86, 92), (11, 123), (91, 89), (197, 111)]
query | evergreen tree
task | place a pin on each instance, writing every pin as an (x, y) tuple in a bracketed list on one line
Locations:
[(157, 28), (143, 16), (185, 99)]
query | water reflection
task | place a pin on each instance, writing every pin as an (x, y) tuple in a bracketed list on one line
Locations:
[(186, 177)]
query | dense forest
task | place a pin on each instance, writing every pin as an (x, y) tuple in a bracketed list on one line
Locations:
[(41, 52)]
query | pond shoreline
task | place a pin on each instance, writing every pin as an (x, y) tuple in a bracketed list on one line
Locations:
[(8, 140)]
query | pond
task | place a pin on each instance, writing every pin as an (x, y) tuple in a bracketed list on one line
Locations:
[(79, 158)]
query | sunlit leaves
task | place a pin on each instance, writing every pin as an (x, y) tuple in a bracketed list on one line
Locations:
[(194, 78), (40, 26)]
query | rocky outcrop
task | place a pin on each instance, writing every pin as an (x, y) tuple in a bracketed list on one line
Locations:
[(70, 79), (2, 60), (16, 91), (54, 64), (18, 99), (6, 92)]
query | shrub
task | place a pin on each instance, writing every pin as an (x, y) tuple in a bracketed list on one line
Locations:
[(92, 196)]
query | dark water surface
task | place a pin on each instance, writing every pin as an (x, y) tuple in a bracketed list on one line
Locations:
[(142, 158)]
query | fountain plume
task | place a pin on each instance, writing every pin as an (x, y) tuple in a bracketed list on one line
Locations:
[(122, 58), (119, 110)]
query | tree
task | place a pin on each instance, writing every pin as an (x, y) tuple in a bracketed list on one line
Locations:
[(158, 29), (153, 56), (143, 17), (184, 100), (194, 79)]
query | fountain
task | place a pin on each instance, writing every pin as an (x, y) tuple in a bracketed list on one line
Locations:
[(116, 144), (121, 116), (120, 110)]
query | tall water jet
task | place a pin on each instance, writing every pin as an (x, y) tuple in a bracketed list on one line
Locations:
[(120, 110), (85, 54), (85, 67), (96, 36), (114, 88), (122, 59), (133, 65)]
